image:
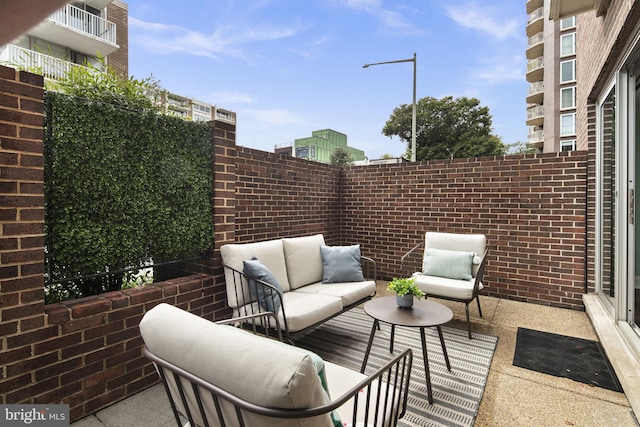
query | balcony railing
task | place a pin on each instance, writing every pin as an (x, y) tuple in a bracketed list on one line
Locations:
[(535, 69), (49, 66), (535, 24), (535, 115), (536, 136), (85, 22)]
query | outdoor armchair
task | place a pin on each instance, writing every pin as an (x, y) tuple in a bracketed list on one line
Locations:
[(449, 266)]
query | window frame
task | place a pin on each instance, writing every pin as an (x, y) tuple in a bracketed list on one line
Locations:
[(572, 132), (572, 63)]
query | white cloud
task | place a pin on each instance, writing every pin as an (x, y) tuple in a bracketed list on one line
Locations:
[(388, 18), (498, 70), (484, 19), (226, 40)]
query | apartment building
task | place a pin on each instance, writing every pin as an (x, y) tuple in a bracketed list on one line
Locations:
[(551, 73), (74, 35), (319, 146), (81, 33)]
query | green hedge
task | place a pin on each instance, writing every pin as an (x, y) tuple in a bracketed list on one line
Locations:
[(122, 187)]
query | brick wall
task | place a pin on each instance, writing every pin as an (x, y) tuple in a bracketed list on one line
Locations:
[(117, 12), (278, 196), (532, 209)]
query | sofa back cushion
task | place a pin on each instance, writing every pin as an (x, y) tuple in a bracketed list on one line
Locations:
[(476, 243), (269, 252), (254, 368), (303, 260)]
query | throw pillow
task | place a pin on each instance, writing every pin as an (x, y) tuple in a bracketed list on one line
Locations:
[(254, 269), (449, 264), (341, 264)]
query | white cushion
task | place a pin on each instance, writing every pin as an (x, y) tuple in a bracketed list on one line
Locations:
[(350, 292), (445, 287), (302, 258), (270, 253), (303, 309), (256, 369)]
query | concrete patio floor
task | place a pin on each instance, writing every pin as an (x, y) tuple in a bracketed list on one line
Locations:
[(513, 396)]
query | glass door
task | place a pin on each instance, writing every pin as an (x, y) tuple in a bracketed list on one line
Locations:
[(607, 217), (633, 294)]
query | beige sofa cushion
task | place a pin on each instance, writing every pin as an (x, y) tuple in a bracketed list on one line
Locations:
[(350, 292), (302, 257), (304, 310), (269, 252), (256, 369)]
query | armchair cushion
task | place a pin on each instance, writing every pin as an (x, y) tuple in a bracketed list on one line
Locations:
[(449, 264), (341, 264), (255, 268), (446, 288)]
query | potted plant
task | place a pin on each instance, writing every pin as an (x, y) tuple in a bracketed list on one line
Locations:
[(405, 291)]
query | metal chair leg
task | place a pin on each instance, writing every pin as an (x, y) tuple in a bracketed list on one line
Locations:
[(479, 309)]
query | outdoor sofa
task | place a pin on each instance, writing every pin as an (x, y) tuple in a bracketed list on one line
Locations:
[(300, 279), (217, 375)]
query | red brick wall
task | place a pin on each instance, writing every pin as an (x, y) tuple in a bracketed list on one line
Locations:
[(279, 196), (532, 209)]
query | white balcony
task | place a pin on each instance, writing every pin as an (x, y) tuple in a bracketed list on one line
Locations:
[(535, 116), (535, 95), (535, 69), (535, 24), (536, 136), (49, 66), (534, 4), (79, 30), (535, 46)]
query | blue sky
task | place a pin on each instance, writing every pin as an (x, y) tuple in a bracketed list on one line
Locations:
[(289, 67)]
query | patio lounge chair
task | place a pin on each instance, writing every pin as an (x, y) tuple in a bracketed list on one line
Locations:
[(449, 266), (217, 374)]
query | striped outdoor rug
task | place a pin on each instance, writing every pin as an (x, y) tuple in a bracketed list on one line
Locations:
[(456, 394)]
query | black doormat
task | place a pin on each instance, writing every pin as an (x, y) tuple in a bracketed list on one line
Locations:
[(562, 356)]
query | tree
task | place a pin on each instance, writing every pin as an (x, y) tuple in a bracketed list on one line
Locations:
[(446, 128), (340, 157), (520, 147)]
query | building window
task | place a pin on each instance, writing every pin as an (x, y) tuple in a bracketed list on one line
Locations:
[(567, 124), (567, 97), (568, 71), (568, 44), (568, 145), (567, 23)]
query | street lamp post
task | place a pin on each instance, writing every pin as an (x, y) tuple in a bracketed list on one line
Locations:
[(413, 113)]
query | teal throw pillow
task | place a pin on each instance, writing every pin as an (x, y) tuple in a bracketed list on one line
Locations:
[(449, 264), (341, 264), (267, 298)]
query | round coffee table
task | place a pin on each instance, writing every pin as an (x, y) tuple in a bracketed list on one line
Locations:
[(423, 314)]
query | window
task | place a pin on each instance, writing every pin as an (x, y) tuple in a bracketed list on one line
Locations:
[(568, 145), (567, 23), (568, 44), (568, 71), (567, 124), (568, 97)]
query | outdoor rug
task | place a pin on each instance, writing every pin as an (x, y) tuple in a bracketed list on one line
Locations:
[(456, 394), (563, 356)]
